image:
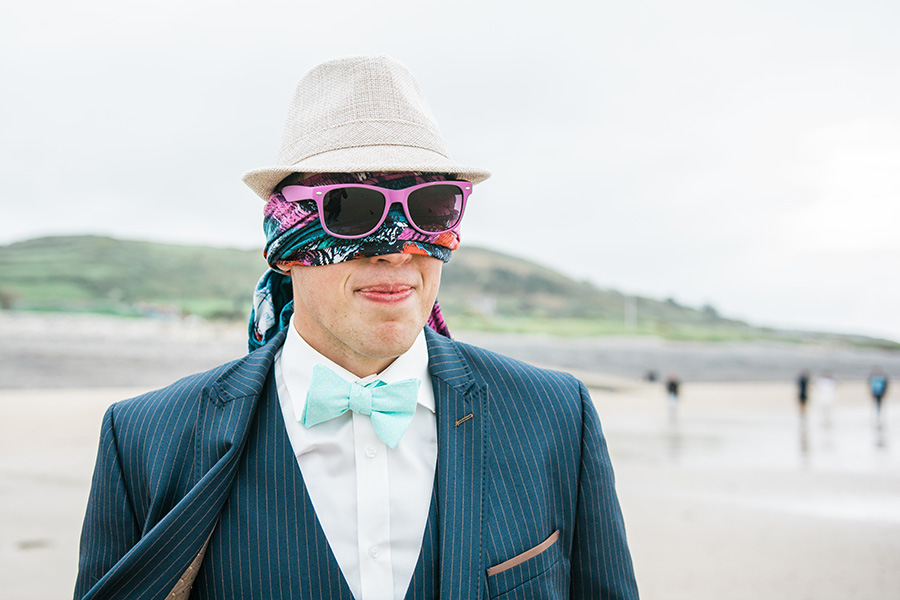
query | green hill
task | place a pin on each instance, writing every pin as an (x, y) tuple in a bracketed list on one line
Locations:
[(487, 290), (101, 274), (481, 290)]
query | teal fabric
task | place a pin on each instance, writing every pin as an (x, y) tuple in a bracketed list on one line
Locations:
[(390, 406)]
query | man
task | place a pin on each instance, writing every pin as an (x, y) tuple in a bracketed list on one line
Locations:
[(803, 392), (878, 383), (355, 452), (672, 383)]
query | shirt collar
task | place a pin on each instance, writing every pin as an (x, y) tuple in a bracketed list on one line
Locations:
[(298, 358)]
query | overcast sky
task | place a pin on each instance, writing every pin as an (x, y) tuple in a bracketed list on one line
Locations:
[(742, 154)]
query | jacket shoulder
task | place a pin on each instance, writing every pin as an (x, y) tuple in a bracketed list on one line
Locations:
[(154, 434), (188, 390), (236, 379)]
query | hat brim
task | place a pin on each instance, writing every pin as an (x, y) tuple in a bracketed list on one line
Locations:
[(386, 159)]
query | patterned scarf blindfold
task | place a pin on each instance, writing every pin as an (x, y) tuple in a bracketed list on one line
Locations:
[(294, 236)]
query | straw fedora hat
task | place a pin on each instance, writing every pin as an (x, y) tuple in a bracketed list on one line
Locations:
[(360, 113)]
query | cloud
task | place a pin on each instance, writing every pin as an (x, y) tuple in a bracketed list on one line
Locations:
[(739, 155)]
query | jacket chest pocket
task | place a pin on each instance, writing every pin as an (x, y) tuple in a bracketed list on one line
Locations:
[(539, 572)]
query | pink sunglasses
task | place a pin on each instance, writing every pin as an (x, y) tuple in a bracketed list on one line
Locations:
[(349, 211)]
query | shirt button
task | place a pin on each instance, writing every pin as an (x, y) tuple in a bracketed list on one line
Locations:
[(371, 452), (373, 552)]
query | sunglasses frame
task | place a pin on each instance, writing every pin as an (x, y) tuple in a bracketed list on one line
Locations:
[(297, 193)]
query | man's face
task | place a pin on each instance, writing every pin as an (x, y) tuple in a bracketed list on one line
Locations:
[(363, 313)]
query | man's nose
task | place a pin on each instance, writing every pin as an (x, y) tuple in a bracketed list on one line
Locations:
[(396, 259)]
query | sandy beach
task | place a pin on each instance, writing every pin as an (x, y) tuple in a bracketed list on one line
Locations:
[(733, 499), (729, 498)]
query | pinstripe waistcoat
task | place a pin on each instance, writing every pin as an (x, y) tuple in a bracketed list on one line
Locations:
[(524, 501)]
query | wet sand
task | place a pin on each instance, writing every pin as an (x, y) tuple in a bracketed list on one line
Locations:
[(729, 499), (735, 499)]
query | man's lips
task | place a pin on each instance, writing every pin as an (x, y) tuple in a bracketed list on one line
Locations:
[(393, 292)]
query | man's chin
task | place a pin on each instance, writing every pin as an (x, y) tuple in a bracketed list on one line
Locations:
[(390, 339)]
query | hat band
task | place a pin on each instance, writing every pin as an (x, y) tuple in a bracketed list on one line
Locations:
[(356, 134)]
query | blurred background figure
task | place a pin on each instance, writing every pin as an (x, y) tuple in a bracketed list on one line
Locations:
[(826, 389), (672, 383), (803, 392), (878, 383), (802, 397)]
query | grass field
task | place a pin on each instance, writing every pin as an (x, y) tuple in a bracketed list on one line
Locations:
[(481, 290)]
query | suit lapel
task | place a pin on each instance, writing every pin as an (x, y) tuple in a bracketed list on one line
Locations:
[(152, 567), (269, 539), (461, 409)]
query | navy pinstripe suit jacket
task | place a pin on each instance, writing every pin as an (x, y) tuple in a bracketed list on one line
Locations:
[(520, 456)]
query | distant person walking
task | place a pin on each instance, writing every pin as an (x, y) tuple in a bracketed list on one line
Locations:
[(878, 384), (803, 392), (672, 383)]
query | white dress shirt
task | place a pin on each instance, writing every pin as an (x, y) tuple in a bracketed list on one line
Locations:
[(371, 500)]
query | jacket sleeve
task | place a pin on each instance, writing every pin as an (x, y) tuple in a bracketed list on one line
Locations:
[(601, 561), (110, 528)]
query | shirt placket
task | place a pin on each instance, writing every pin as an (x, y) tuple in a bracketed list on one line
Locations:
[(373, 511)]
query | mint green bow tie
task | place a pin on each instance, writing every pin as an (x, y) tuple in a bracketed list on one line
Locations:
[(390, 406)]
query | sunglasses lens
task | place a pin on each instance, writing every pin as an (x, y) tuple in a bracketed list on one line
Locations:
[(436, 207), (352, 211)]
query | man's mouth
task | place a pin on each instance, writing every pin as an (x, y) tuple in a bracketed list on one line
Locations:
[(386, 292)]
